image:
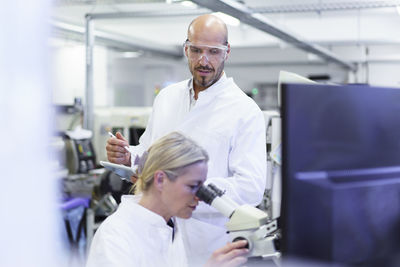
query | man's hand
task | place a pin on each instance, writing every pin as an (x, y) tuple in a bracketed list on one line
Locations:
[(116, 152), (231, 255)]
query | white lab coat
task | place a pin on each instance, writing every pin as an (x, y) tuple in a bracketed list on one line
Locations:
[(231, 127), (136, 236)]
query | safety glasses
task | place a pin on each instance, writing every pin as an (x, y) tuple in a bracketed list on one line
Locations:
[(210, 52)]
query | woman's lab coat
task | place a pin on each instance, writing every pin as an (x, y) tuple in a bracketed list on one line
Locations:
[(136, 236), (231, 127)]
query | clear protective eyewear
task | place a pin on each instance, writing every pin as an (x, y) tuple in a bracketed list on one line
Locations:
[(210, 52)]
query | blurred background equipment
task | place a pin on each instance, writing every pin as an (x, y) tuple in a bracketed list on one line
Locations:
[(129, 121), (81, 157)]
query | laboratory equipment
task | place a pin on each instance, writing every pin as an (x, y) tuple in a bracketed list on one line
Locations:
[(273, 193), (272, 197), (341, 189), (286, 77), (245, 223), (68, 117), (81, 157), (78, 152), (129, 121)]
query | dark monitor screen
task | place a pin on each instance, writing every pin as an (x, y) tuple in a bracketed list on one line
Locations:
[(341, 186)]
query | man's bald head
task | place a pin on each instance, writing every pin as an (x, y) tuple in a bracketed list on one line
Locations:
[(208, 29)]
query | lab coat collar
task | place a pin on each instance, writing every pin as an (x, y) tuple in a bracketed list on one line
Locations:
[(140, 211)]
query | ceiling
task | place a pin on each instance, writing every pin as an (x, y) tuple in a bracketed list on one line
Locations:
[(316, 21), (161, 25)]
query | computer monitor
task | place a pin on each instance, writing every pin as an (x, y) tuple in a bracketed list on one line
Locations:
[(290, 77), (341, 174)]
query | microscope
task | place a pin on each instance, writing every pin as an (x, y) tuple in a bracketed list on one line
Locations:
[(245, 223)]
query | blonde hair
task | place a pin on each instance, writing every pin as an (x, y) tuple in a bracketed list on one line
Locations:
[(170, 154)]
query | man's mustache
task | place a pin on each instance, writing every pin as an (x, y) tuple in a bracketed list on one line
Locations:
[(205, 68)]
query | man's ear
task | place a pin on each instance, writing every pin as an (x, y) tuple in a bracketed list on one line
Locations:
[(228, 51), (158, 180), (185, 51)]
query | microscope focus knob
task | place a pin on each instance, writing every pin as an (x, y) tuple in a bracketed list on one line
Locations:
[(242, 238)]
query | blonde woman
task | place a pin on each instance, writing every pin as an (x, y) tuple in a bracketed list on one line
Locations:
[(143, 231)]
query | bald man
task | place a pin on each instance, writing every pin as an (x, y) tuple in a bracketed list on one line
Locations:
[(211, 109)]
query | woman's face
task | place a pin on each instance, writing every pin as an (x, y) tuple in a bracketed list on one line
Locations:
[(179, 195)]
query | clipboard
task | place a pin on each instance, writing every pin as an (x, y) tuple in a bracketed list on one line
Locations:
[(123, 171)]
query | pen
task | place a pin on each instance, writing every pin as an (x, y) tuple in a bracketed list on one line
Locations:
[(126, 147)]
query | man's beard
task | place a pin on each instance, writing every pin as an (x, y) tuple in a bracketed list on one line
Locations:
[(203, 79)]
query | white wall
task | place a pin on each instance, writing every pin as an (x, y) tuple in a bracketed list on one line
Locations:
[(123, 81), (384, 74), (384, 65), (140, 78), (68, 73)]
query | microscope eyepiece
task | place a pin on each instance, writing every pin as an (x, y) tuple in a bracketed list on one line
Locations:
[(214, 197), (216, 190), (206, 194)]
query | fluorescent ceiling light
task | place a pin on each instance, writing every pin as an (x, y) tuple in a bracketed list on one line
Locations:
[(398, 9), (188, 4), (132, 54), (227, 19)]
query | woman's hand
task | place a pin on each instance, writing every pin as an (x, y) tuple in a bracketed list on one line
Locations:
[(230, 255)]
